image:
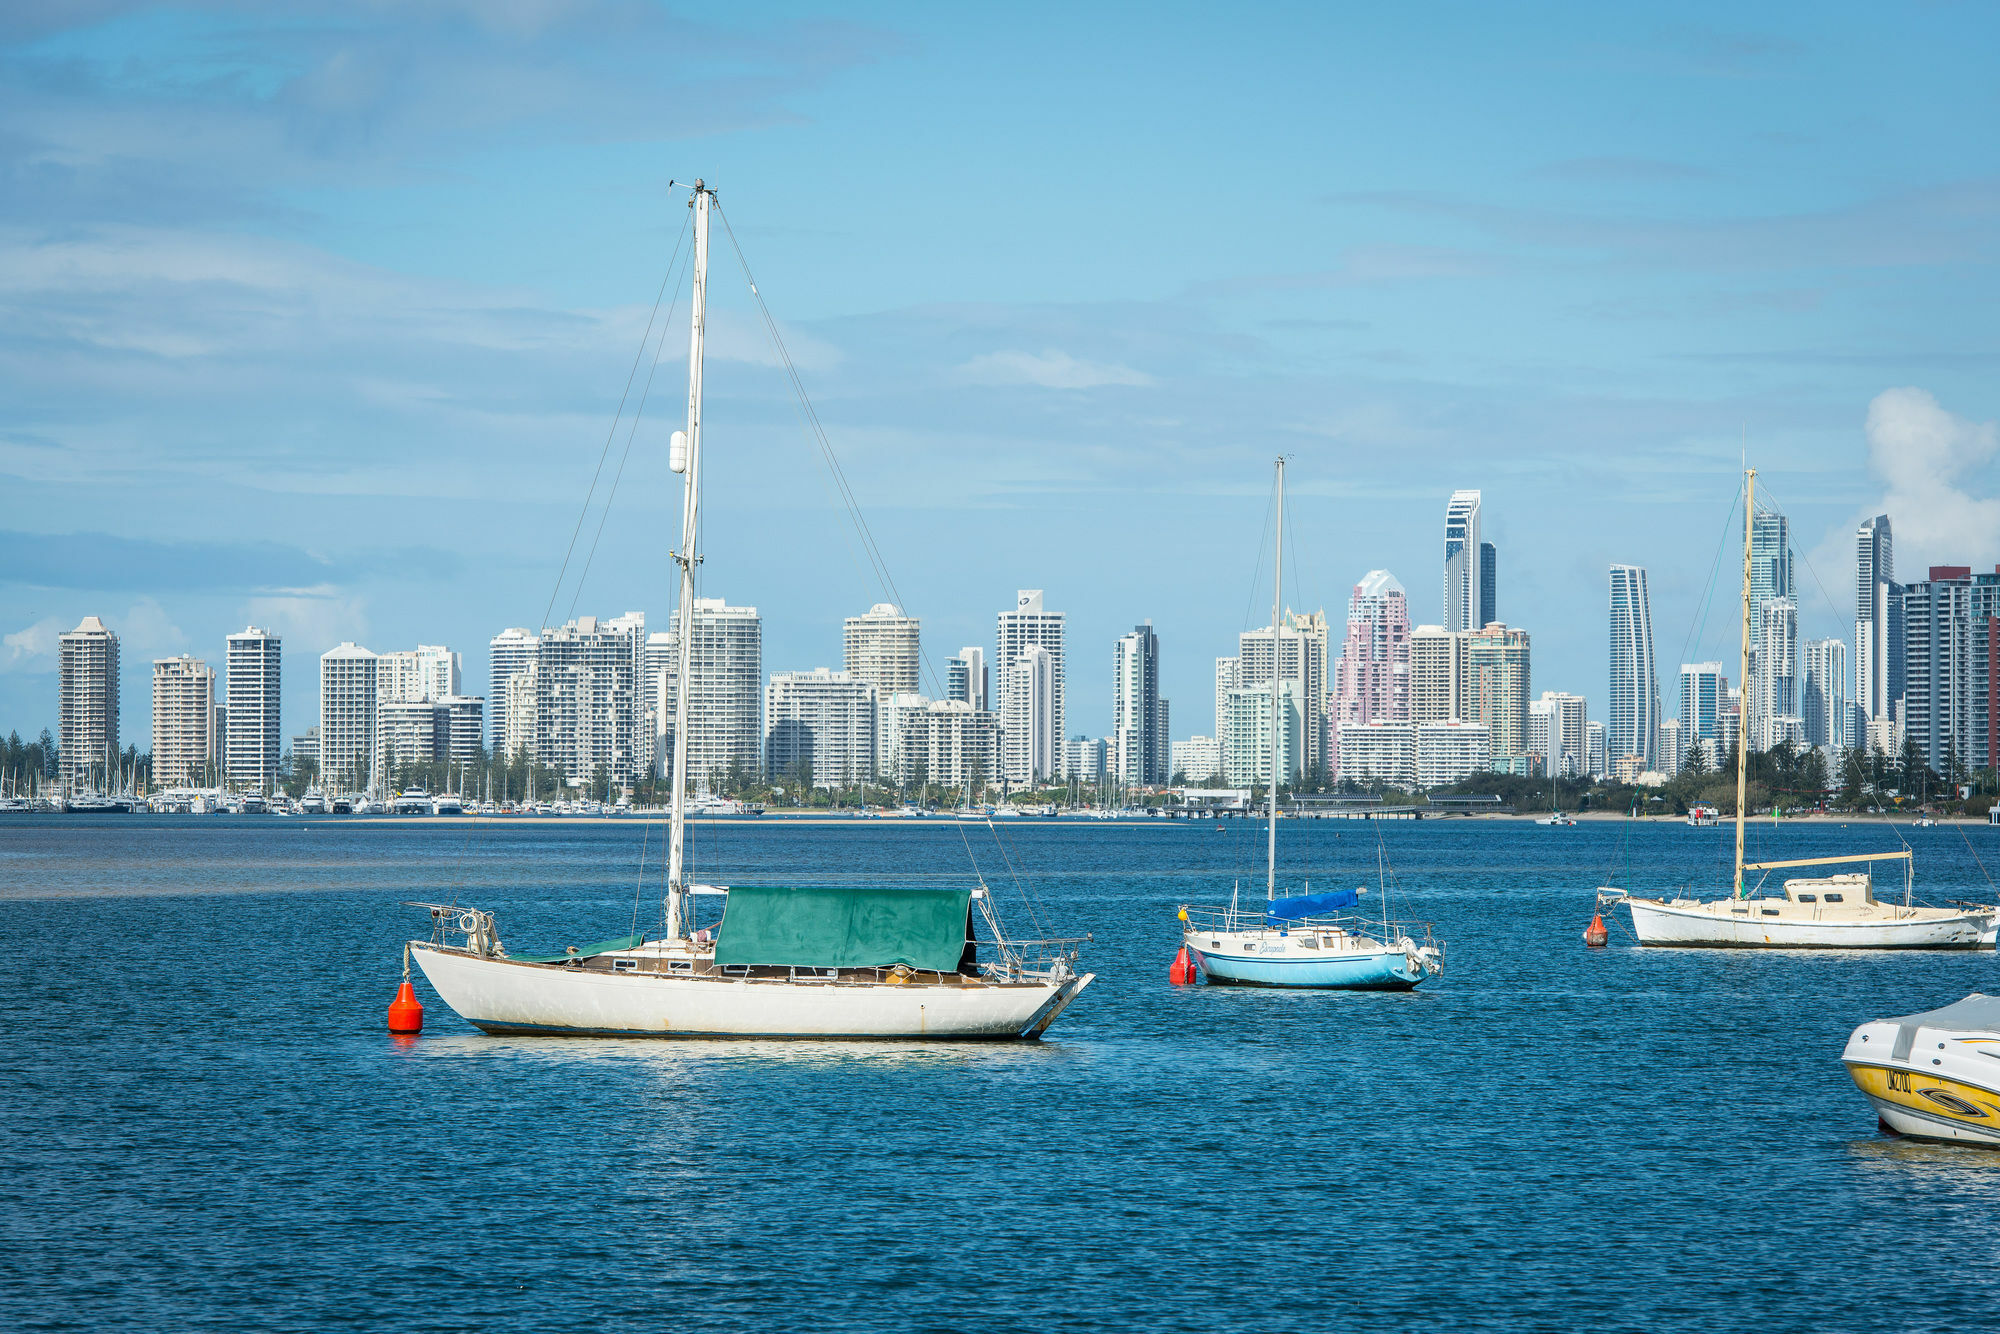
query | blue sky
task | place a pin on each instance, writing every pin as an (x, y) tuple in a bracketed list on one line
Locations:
[(319, 317)]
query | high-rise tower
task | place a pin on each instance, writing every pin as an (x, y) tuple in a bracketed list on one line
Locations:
[(1878, 621), (1633, 732), (1138, 726), (1489, 583), (1029, 625), (250, 754), (1461, 561), (88, 707)]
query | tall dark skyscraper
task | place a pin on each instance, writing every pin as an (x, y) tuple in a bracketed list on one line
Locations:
[(1489, 581)]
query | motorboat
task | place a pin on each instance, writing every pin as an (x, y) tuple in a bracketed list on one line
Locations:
[(446, 803), (1933, 1075), (1703, 817), (1305, 939), (411, 801)]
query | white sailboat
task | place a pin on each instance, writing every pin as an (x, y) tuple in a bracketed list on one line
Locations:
[(1302, 940), (822, 962), (1828, 911)]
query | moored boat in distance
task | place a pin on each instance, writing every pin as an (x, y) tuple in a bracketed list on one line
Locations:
[(1933, 1075), (1837, 911), (1302, 940)]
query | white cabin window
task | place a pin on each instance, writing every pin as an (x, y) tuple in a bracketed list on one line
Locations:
[(624, 965), (1834, 898), (1808, 898)]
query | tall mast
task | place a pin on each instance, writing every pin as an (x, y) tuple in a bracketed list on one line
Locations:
[(1277, 665), (687, 558), (1743, 702)]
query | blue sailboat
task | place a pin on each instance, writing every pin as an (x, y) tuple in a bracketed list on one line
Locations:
[(1303, 940)]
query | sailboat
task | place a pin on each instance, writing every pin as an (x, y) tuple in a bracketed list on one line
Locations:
[(1825, 911), (1556, 815), (1306, 939), (850, 962)]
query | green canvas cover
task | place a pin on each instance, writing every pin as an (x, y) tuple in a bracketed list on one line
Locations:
[(843, 928)]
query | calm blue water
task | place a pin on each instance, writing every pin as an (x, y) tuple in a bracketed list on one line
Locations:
[(206, 1126)]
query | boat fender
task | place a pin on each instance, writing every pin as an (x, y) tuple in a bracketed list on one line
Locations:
[(1595, 936), (1182, 973)]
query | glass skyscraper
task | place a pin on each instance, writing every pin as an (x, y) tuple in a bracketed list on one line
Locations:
[(1635, 687)]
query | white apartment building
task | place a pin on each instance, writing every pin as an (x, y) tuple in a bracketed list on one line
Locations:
[(522, 713), (1087, 760), (88, 713), (1440, 674), (884, 648), (510, 651), (1248, 759), (183, 721), (406, 732), (349, 701), (463, 718), (966, 679), (1197, 759), (255, 741), (1031, 717), (1775, 704), (587, 707), (1305, 645), (1225, 681), (1450, 751), (1030, 625), (656, 663), (726, 701), (1556, 733), (1379, 752), (1672, 755), (428, 671), (1594, 749), (824, 719), (949, 743), (890, 716), (1824, 705)]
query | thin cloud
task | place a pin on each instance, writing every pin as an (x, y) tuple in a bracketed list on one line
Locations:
[(1047, 370)]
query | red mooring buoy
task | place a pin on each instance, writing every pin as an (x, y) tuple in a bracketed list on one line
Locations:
[(406, 1012), (1595, 935), (1183, 971)]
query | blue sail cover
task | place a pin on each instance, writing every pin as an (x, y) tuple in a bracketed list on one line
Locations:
[(1309, 905)]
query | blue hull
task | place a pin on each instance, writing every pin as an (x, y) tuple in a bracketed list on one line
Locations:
[(1367, 972)]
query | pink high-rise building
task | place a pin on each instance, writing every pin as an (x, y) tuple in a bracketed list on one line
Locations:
[(1371, 683)]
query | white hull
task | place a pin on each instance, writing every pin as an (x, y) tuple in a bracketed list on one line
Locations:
[(1932, 1075), (502, 996), (1745, 924)]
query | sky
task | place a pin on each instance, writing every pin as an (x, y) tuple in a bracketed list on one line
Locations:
[(319, 317)]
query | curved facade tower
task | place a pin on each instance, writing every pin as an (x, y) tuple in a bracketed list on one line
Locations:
[(1634, 727)]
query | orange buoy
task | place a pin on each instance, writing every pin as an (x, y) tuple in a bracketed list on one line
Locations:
[(1595, 935), (1183, 971), (406, 1012)]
